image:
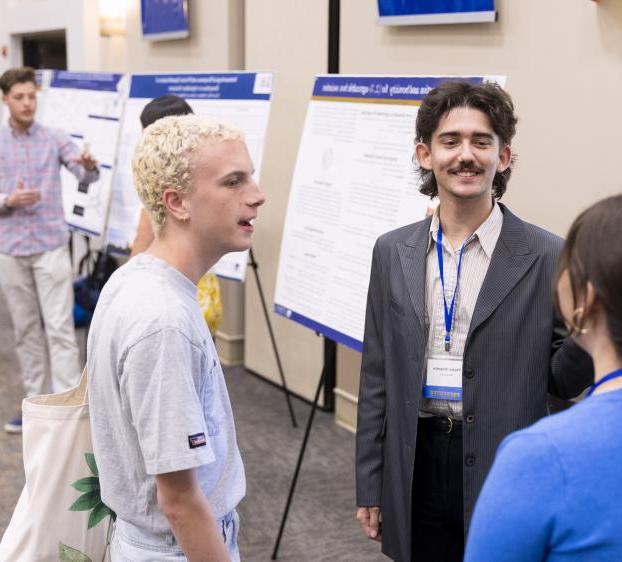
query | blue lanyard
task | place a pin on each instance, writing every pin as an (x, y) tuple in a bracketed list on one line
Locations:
[(614, 375), (449, 311)]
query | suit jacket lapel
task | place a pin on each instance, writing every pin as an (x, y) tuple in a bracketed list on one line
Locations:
[(412, 257), (510, 261)]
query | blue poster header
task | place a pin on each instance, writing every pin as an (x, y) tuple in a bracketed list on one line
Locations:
[(101, 81), (423, 7), (320, 328), (409, 88), (224, 86)]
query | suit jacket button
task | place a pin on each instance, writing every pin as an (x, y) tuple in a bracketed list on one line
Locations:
[(470, 418), (469, 460), (469, 373)]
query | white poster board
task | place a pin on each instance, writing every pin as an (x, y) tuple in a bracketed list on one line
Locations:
[(354, 180), (88, 106), (241, 98)]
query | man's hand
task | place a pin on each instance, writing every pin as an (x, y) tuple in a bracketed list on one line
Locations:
[(22, 197), (369, 520), (87, 160)]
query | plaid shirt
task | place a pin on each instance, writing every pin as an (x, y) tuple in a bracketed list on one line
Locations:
[(34, 157)]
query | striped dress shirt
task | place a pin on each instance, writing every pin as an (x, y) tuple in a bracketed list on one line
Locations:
[(35, 157), (478, 250)]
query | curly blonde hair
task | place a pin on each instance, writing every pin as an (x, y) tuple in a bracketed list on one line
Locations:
[(165, 154)]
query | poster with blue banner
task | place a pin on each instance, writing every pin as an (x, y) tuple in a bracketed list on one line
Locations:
[(354, 180), (240, 98), (429, 12), (87, 105)]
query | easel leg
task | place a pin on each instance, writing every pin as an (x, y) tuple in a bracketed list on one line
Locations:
[(255, 267), (292, 488)]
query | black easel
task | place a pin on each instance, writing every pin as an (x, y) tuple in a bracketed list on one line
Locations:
[(253, 263), (330, 347), (323, 377), (327, 378)]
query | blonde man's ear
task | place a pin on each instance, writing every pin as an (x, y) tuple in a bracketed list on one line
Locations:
[(175, 204)]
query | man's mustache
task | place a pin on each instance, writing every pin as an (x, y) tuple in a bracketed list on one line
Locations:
[(466, 167)]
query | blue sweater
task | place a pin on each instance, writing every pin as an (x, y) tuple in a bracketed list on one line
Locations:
[(555, 490)]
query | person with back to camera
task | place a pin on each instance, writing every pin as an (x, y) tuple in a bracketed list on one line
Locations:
[(461, 341), (163, 431), (36, 278), (554, 492)]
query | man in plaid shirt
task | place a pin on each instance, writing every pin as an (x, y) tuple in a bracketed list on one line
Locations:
[(35, 267)]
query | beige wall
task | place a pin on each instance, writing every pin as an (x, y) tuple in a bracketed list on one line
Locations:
[(76, 17), (563, 59), (216, 42), (216, 39), (290, 39)]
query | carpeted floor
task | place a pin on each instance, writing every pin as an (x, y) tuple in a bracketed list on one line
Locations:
[(321, 524)]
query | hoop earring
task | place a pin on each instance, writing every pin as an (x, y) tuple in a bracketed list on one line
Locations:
[(576, 321)]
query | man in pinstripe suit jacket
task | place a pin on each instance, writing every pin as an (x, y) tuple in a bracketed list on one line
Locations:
[(424, 448)]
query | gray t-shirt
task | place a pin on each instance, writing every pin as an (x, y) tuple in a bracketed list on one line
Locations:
[(157, 395)]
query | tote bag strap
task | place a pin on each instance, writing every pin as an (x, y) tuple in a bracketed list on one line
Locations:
[(82, 388), (76, 396)]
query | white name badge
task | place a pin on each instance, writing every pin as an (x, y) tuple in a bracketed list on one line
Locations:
[(443, 378)]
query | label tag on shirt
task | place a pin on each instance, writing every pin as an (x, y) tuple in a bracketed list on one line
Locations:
[(197, 440), (443, 378)]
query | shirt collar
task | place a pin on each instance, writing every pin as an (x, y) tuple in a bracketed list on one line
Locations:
[(29, 131), (173, 274), (487, 233)]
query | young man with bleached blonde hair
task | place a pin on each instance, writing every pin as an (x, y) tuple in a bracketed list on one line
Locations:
[(162, 425)]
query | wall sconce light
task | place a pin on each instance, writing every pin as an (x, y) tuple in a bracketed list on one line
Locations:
[(112, 16)]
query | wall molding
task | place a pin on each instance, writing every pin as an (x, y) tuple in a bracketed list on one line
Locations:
[(346, 396), (230, 348)]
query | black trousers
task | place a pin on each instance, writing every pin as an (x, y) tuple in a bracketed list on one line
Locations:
[(437, 502)]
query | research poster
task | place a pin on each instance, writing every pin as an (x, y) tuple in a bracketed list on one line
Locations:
[(354, 180), (89, 107), (241, 98)]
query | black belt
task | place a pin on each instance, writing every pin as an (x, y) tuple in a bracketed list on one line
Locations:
[(442, 424)]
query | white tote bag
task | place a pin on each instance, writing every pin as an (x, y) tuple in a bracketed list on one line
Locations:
[(59, 516)]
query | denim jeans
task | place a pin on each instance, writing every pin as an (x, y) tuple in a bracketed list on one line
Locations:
[(132, 544)]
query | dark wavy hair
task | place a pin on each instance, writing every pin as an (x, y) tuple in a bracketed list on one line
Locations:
[(490, 99), (592, 254), (16, 76)]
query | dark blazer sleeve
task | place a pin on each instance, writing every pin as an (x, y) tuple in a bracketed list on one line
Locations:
[(572, 369), (371, 405)]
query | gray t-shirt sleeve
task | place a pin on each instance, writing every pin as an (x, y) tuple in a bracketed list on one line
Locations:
[(159, 391)]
